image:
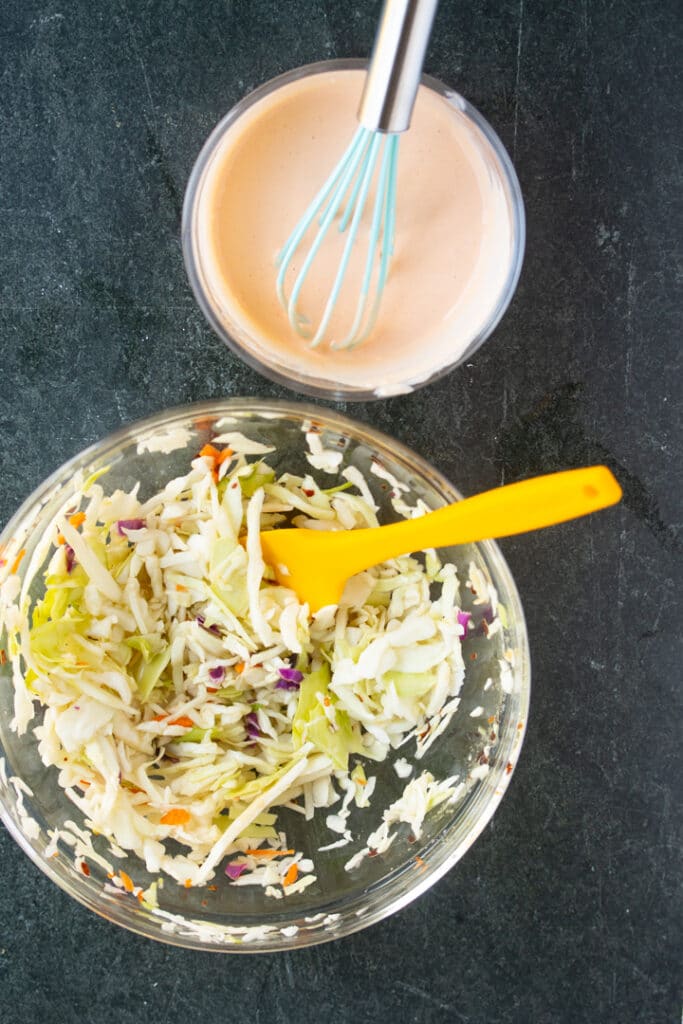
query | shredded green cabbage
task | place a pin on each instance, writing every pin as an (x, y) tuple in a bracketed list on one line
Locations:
[(157, 648)]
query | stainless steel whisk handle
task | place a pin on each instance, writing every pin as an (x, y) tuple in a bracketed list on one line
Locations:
[(396, 65)]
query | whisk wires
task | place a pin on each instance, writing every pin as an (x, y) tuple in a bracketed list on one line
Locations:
[(369, 155)]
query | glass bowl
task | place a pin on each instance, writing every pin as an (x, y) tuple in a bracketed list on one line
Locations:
[(382, 373), (481, 749)]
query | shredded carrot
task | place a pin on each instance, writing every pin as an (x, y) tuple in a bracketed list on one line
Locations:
[(176, 816), (212, 888), (292, 875), (140, 896), (209, 450), (3, 656), (204, 422), (240, 667), (159, 718), (110, 874), (83, 782), (326, 701), (269, 853), (85, 869), (214, 475), (127, 881), (420, 863), (491, 719), (61, 539), (188, 883), (222, 456), (17, 561), (77, 519), (212, 689), (184, 720), (180, 587)]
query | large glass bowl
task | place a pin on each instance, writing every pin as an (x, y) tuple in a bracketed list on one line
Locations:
[(243, 919)]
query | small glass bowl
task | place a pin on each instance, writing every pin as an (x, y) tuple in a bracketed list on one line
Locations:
[(236, 919), (245, 344)]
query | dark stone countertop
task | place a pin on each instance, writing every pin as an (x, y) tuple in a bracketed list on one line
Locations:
[(568, 908)]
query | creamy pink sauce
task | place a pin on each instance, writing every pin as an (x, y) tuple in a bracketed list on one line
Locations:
[(452, 248)]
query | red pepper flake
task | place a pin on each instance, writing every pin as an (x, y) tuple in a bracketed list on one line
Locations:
[(85, 869), (492, 736), (483, 759), (309, 493), (212, 888), (508, 768), (205, 903), (327, 702), (520, 725), (420, 864), (84, 783), (372, 853), (491, 719), (473, 656), (110, 874), (212, 689), (3, 656)]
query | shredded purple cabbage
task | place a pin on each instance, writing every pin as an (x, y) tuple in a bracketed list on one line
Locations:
[(234, 870), (70, 556), (282, 684), (209, 629), (217, 673), (252, 726), (290, 679), (463, 619), (129, 524)]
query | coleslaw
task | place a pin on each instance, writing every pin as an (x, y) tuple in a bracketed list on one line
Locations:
[(187, 697)]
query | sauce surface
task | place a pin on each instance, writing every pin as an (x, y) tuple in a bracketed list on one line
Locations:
[(452, 246)]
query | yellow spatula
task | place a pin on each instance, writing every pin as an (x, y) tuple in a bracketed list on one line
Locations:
[(317, 563)]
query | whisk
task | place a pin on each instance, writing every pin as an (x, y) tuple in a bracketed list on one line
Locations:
[(385, 111)]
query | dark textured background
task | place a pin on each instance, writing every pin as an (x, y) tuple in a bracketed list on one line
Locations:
[(568, 909)]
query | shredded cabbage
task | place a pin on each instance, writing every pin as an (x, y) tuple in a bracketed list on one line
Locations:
[(187, 695)]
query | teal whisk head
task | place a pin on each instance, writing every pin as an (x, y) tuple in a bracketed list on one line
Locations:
[(361, 189)]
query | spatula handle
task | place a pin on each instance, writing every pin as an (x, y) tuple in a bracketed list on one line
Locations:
[(515, 508)]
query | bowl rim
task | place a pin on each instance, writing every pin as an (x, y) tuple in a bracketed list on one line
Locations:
[(435, 869), (309, 384)]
